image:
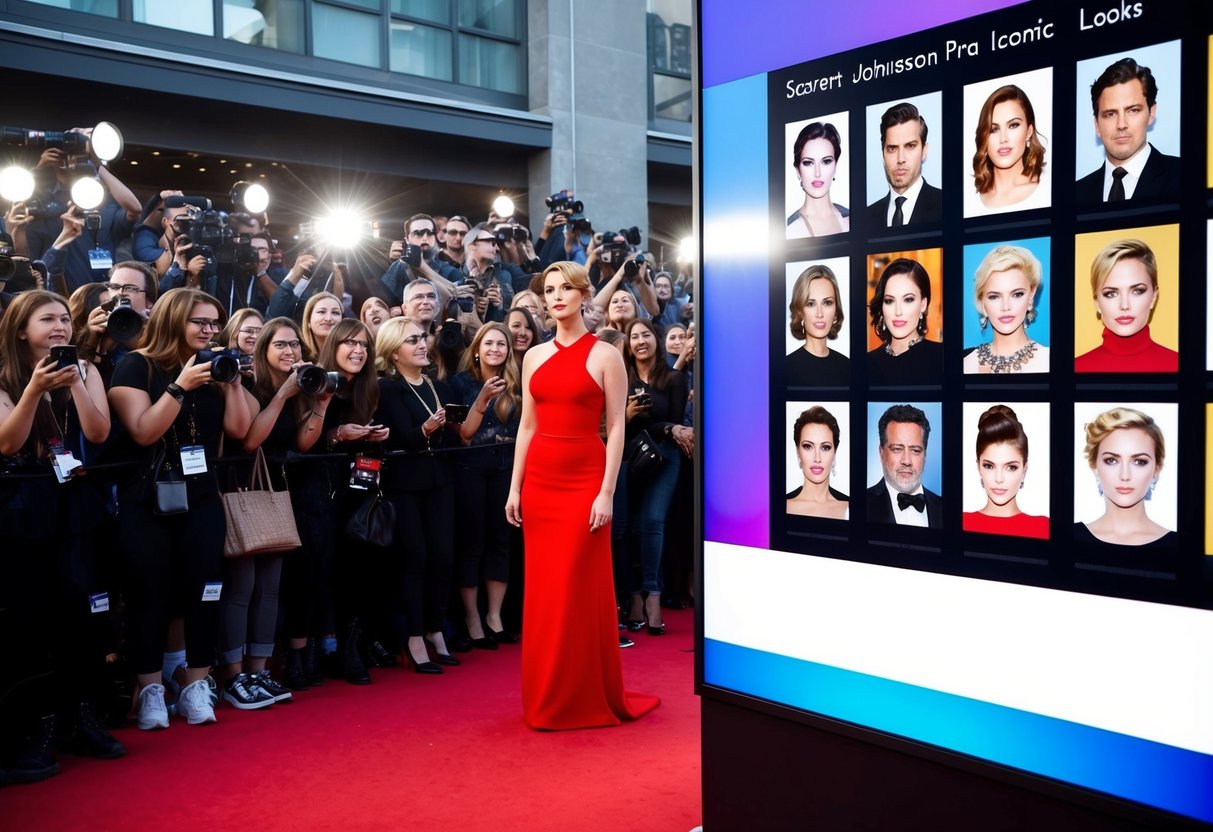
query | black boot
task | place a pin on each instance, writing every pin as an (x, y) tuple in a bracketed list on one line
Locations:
[(296, 678), (37, 761), (312, 669), (90, 737), (352, 668)]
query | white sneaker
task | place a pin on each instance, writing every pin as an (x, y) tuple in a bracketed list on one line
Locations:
[(194, 703), (152, 713)]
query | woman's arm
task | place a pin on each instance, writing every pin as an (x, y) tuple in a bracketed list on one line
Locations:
[(263, 423), (146, 421), (526, 429), (92, 409), (615, 385), (489, 392), (17, 420), (603, 299), (239, 408)]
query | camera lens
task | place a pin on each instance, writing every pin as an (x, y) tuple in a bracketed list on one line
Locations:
[(225, 367), (123, 324), (312, 380), (335, 383)]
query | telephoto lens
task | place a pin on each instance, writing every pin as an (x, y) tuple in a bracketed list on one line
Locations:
[(123, 323), (312, 379), (225, 364)]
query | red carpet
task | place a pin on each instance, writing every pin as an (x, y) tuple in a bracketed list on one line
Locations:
[(407, 752)]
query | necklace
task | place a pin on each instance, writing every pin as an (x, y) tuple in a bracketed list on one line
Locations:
[(1013, 363), (433, 392), (889, 347)]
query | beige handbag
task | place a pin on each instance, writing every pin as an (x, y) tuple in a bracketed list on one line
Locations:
[(259, 519)]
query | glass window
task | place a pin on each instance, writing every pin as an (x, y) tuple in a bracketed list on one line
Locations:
[(368, 4), (437, 11), (108, 8), (197, 16), (345, 35), (276, 24), (672, 97), (497, 16), (670, 58), (421, 50), (490, 64)]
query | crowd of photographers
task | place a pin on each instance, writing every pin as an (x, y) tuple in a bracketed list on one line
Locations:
[(147, 349)]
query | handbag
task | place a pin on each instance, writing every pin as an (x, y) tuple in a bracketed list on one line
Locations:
[(259, 520), (642, 456), (168, 487), (373, 521)]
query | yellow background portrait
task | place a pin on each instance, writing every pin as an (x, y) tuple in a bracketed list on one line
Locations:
[(1163, 240), (930, 259)]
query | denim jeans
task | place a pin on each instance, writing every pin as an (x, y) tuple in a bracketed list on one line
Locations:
[(640, 513)]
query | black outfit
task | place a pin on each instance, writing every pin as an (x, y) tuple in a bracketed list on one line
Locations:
[(920, 364), (880, 507), (928, 209), (1157, 555), (803, 369), (1159, 180), (483, 474), (170, 559), (421, 487)]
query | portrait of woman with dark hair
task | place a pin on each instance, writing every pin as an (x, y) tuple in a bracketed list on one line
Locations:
[(1009, 154), (899, 308), (815, 435), (1124, 286), (1002, 464), (816, 319), (815, 157)]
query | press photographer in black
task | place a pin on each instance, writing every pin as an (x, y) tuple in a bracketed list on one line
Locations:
[(417, 256)]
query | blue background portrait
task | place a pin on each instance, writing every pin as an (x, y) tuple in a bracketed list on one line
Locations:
[(1038, 331), (932, 469), (930, 107), (1163, 61)]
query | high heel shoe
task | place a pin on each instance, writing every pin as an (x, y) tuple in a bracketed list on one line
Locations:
[(442, 658), (500, 636), (427, 667), (652, 609)]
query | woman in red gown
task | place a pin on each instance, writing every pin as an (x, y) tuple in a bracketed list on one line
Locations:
[(563, 485)]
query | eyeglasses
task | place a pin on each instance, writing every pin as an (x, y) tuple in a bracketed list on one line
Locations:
[(430, 296), (492, 240), (455, 232), (414, 340), (250, 330), (285, 345), (125, 288), (422, 232), (355, 342), (206, 323)]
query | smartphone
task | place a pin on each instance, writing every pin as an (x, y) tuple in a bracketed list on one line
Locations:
[(456, 413), (64, 356)]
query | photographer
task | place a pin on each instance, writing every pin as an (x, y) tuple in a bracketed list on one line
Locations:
[(566, 232), (517, 255), (130, 285), (492, 291), (617, 269), (669, 304), (416, 256), (174, 407), (153, 236), (454, 233), (302, 283)]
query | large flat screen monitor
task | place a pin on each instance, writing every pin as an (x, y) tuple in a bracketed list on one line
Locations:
[(956, 382)]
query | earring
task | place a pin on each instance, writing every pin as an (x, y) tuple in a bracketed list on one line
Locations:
[(1098, 316), (1031, 316), (834, 470), (985, 322), (1098, 485), (476, 360), (1150, 493)]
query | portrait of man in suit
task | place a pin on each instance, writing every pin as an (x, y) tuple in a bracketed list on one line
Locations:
[(903, 145), (903, 432), (1124, 102)]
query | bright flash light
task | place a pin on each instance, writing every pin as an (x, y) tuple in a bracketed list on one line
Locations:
[(340, 229), (503, 207), (106, 140), (87, 192), (686, 250), (16, 184), (256, 198)]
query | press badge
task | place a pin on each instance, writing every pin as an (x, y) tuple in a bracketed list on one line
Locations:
[(65, 464), (193, 459), (99, 602), (99, 258), (212, 591)]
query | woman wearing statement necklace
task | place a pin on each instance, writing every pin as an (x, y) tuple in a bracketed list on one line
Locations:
[(899, 309), (1004, 287), (422, 489)]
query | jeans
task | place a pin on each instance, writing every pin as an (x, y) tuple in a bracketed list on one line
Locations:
[(640, 513)]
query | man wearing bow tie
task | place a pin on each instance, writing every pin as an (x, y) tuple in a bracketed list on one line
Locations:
[(899, 496)]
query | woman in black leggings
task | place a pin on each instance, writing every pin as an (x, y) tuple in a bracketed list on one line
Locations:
[(173, 406)]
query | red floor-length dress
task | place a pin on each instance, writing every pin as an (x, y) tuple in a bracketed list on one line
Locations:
[(571, 676)]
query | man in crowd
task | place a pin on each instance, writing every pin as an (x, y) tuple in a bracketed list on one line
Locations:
[(492, 284), (1124, 100), (903, 144), (416, 256), (899, 497), (456, 230)]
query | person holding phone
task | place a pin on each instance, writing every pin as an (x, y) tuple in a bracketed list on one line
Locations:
[(51, 407), (488, 384), (421, 487)]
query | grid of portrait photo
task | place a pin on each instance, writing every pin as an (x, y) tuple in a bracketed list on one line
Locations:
[(984, 358)]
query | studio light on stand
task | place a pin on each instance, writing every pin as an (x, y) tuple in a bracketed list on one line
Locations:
[(16, 184), (503, 207), (253, 197)]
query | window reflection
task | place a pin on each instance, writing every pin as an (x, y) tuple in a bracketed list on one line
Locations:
[(275, 24)]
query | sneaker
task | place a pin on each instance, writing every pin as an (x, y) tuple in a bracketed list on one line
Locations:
[(267, 683), (244, 694), (212, 689), (194, 703), (624, 641), (152, 713)]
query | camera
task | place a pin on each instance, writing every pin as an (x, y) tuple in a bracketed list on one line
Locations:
[(210, 233), (123, 323), (64, 356), (316, 381), (411, 255), (75, 144), (225, 364), (613, 250), (563, 201), (632, 267)]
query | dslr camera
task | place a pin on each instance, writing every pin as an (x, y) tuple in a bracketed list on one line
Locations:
[(123, 323), (563, 202), (211, 234), (316, 381), (225, 364)]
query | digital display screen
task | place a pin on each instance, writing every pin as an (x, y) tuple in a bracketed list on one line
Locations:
[(957, 380)]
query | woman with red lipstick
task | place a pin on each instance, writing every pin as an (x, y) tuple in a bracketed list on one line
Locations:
[(1009, 158), (1004, 289), (816, 310), (1002, 464), (815, 158), (899, 309), (1124, 284), (815, 436), (1125, 449)]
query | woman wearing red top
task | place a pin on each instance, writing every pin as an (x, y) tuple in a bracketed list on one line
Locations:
[(1002, 462), (1124, 284)]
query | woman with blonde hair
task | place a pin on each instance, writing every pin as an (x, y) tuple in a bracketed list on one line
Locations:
[(320, 315), (1004, 291)]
